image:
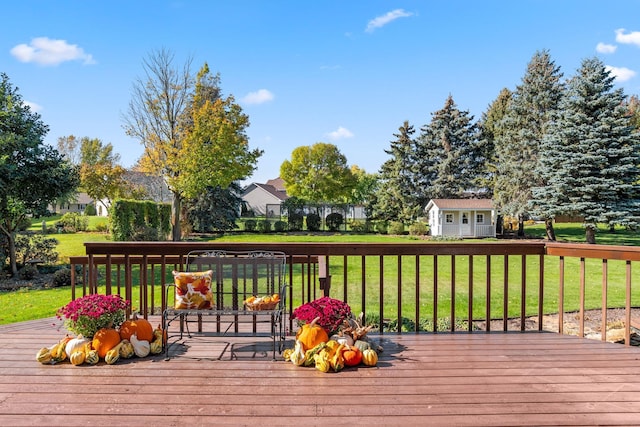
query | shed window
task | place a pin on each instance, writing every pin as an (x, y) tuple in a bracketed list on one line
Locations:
[(448, 218), (479, 218)]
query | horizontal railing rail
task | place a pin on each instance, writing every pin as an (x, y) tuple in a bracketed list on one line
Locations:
[(413, 286)]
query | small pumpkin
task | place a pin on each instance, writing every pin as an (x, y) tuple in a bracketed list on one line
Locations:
[(311, 334), (352, 356), (77, 357), (75, 344), (104, 340), (141, 327), (341, 338), (362, 345), (370, 357)]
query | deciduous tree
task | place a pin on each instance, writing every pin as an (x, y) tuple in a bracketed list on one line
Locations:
[(101, 177)]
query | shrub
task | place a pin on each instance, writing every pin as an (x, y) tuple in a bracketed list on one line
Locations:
[(73, 222), (90, 210), (418, 229), (396, 228), (280, 226), (382, 227), (334, 221), (264, 226), (250, 225), (313, 222), (295, 221), (102, 227), (28, 272), (35, 246), (61, 277)]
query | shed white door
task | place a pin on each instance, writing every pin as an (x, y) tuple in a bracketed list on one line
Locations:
[(465, 223)]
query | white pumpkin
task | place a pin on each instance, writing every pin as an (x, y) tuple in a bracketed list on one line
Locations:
[(75, 344)]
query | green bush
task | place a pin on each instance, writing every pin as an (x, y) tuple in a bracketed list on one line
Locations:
[(334, 221), (418, 229), (90, 210), (382, 227), (28, 272), (250, 225), (264, 226), (280, 226), (30, 246), (395, 228), (295, 221), (313, 222), (73, 222), (61, 277), (141, 220)]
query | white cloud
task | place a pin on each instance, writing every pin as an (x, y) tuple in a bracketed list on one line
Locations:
[(622, 74), (259, 97), (340, 133), (606, 48), (35, 108), (383, 20), (630, 38), (46, 51)]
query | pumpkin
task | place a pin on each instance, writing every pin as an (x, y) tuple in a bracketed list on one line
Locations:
[(141, 327), (75, 344), (342, 338), (362, 345), (370, 357), (311, 334), (104, 340), (352, 356)]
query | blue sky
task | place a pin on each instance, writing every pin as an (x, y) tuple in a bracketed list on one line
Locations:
[(342, 72)]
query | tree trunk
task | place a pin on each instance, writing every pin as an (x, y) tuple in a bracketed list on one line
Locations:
[(176, 203), (590, 234), (520, 226), (11, 238), (551, 233)]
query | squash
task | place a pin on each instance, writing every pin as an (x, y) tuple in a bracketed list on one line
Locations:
[(44, 355), (311, 334), (104, 340), (352, 356), (362, 345), (142, 348), (297, 355), (77, 357), (141, 327), (90, 355), (322, 362), (309, 356), (155, 347), (337, 361), (58, 353), (75, 344), (370, 357), (126, 349)]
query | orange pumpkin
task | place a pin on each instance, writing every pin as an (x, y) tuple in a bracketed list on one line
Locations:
[(104, 340), (140, 327), (310, 335), (352, 356)]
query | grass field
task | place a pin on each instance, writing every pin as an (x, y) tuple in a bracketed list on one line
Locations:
[(32, 304)]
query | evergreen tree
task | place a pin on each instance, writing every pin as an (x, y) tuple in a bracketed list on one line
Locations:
[(447, 161), (395, 199), (526, 121), (590, 154), (490, 128)]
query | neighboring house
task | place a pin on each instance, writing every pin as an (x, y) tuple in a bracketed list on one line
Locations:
[(78, 205), (265, 199), (461, 217), (153, 186)]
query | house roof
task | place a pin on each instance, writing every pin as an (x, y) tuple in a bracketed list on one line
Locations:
[(277, 183), (281, 195), (461, 203)]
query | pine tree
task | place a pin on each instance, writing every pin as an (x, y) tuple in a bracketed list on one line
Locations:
[(525, 123), (395, 197), (447, 159), (590, 154), (490, 126)]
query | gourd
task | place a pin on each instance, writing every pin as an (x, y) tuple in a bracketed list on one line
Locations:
[(44, 355), (104, 340), (362, 345), (140, 327), (58, 353), (352, 356), (337, 361), (75, 344), (370, 357), (113, 355), (77, 357), (297, 355), (126, 349), (343, 338), (155, 347), (90, 355), (140, 347), (311, 334), (309, 357), (322, 362)]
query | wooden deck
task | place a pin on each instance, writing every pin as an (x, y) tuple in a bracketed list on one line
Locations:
[(498, 379)]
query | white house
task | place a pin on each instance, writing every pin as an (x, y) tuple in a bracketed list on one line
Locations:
[(265, 199), (461, 217)]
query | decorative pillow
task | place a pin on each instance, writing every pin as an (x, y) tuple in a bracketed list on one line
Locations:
[(193, 290)]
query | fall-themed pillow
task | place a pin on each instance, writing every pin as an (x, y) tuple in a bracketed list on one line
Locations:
[(193, 290)]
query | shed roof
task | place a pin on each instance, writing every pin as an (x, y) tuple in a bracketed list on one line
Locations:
[(462, 203)]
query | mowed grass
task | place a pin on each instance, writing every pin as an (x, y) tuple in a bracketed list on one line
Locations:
[(30, 304)]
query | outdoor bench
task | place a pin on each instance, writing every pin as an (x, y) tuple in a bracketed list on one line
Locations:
[(212, 291)]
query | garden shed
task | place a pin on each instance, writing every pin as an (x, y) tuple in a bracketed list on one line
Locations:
[(461, 217)]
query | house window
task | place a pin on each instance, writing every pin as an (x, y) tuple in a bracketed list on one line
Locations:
[(448, 218), (479, 218)]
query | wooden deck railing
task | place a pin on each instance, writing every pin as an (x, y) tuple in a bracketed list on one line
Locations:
[(444, 286)]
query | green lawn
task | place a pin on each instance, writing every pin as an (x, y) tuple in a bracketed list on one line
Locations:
[(32, 304)]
